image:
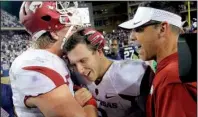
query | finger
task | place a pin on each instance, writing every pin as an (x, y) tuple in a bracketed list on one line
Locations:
[(86, 96), (81, 95), (86, 93), (79, 100), (80, 91)]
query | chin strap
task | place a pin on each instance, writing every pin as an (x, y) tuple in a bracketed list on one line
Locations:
[(66, 36)]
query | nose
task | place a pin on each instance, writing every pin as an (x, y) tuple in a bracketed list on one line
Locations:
[(133, 36), (80, 68)]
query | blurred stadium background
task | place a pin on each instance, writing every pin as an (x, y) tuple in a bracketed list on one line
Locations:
[(104, 16)]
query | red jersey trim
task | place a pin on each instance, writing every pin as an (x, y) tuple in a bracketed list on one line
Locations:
[(56, 78)]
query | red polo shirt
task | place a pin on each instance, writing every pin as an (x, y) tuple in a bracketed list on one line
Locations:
[(168, 96)]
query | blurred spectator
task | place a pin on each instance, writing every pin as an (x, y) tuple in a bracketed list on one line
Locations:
[(119, 34), (129, 51), (114, 50), (192, 28)]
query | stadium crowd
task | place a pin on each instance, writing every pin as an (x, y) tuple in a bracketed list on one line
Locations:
[(7, 20), (12, 45)]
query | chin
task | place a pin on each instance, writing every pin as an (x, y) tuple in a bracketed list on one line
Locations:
[(143, 58), (91, 79)]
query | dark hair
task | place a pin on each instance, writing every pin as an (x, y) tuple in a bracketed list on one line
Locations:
[(126, 41), (78, 38), (170, 6), (114, 39)]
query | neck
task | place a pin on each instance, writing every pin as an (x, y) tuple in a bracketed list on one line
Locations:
[(54, 51), (55, 48), (166, 49), (106, 63)]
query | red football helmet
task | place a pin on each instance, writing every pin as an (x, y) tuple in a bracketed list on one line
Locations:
[(95, 37), (39, 17)]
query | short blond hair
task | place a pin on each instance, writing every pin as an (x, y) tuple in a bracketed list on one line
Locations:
[(44, 41)]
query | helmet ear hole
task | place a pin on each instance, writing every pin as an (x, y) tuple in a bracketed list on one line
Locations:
[(46, 18), (70, 14)]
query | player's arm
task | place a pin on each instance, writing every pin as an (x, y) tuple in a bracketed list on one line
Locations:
[(90, 111), (174, 100), (60, 103), (45, 89)]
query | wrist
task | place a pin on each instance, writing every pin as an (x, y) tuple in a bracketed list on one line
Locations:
[(92, 102)]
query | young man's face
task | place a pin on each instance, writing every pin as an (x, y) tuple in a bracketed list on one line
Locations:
[(147, 38), (85, 61)]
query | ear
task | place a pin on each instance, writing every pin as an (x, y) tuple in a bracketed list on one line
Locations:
[(54, 35), (164, 29), (100, 52)]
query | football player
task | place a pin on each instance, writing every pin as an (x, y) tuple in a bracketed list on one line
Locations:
[(40, 79), (129, 51), (120, 87)]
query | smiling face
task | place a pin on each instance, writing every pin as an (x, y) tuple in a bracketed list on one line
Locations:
[(87, 62)]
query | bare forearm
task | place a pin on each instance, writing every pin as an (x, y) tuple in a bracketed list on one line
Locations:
[(91, 111)]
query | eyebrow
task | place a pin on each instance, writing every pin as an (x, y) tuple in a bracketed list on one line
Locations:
[(72, 63), (85, 58)]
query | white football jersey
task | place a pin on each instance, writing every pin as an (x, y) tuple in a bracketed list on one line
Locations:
[(36, 72), (121, 82)]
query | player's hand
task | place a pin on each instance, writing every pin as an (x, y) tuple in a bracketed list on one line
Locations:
[(82, 96)]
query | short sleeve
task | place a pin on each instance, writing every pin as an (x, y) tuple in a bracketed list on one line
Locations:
[(128, 78), (35, 80)]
